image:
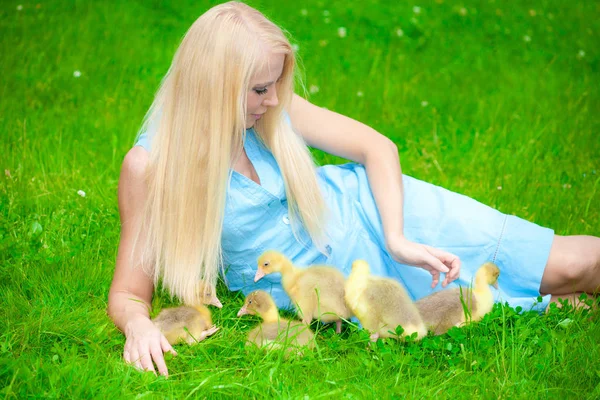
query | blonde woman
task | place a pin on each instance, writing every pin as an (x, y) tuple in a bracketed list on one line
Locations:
[(222, 172)]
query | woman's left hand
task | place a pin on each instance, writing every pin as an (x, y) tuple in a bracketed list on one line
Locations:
[(429, 258)]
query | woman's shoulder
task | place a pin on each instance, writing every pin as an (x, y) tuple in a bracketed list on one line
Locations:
[(135, 162)]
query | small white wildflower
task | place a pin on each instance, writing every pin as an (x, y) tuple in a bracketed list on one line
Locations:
[(580, 54), (313, 89), (499, 188), (295, 47), (532, 13), (323, 43), (77, 74), (81, 193), (417, 10), (19, 7), (342, 32), (325, 13), (33, 179), (7, 173), (463, 11), (567, 186), (399, 32), (327, 20), (527, 38), (424, 103), (304, 12), (359, 94)]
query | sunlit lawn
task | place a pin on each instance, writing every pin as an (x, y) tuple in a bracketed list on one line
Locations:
[(496, 100)]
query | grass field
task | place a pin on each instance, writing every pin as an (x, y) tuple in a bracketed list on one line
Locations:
[(497, 100)]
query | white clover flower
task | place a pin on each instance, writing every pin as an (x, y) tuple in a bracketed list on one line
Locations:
[(463, 11), (424, 103), (527, 38), (499, 188), (295, 47), (313, 89), (342, 32), (325, 13), (81, 193), (580, 54), (359, 94), (417, 10), (399, 32), (19, 7), (77, 74), (304, 12)]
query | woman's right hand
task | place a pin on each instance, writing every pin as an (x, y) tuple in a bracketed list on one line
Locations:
[(145, 345)]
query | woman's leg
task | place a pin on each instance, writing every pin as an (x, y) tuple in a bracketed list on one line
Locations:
[(573, 266)]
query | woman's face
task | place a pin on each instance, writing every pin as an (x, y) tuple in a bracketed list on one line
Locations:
[(262, 93)]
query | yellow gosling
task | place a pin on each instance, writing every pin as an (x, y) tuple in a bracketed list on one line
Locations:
[(456, 307), (381, 304), (317, 291), (189, 324), (274, 331)]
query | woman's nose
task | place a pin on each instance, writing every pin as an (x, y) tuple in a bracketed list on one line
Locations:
[(271, 100)]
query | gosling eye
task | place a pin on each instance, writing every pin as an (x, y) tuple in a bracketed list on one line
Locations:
[(249, 301), (266, 264)]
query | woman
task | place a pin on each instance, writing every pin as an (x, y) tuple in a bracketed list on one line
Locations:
[(219, 175)]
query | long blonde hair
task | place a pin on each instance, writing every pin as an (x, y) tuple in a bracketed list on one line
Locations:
[(200, 117)]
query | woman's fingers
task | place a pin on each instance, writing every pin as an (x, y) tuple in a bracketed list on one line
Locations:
[(435, 278), (134, 359), (166, 346), (146, 362), (451, 261), (157, 355), (146, 355)]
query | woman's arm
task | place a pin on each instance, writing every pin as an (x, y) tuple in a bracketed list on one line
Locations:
[(131, 290), (345, 137)]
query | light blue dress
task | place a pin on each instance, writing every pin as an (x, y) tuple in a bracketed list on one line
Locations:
[(256, 219)]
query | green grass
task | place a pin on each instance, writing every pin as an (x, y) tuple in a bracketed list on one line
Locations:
[(509, 121)]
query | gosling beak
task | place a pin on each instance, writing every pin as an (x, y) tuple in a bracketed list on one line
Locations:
[(259, 274), (242, 311), (215, 302), (495, 284)]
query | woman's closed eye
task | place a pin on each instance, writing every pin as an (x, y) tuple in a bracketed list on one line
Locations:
[(261, 91)]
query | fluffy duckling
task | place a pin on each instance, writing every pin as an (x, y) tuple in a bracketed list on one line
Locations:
[(207, 295), (381, 304), (190, 324), (274, 331), (317, 291), (444, 309)]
